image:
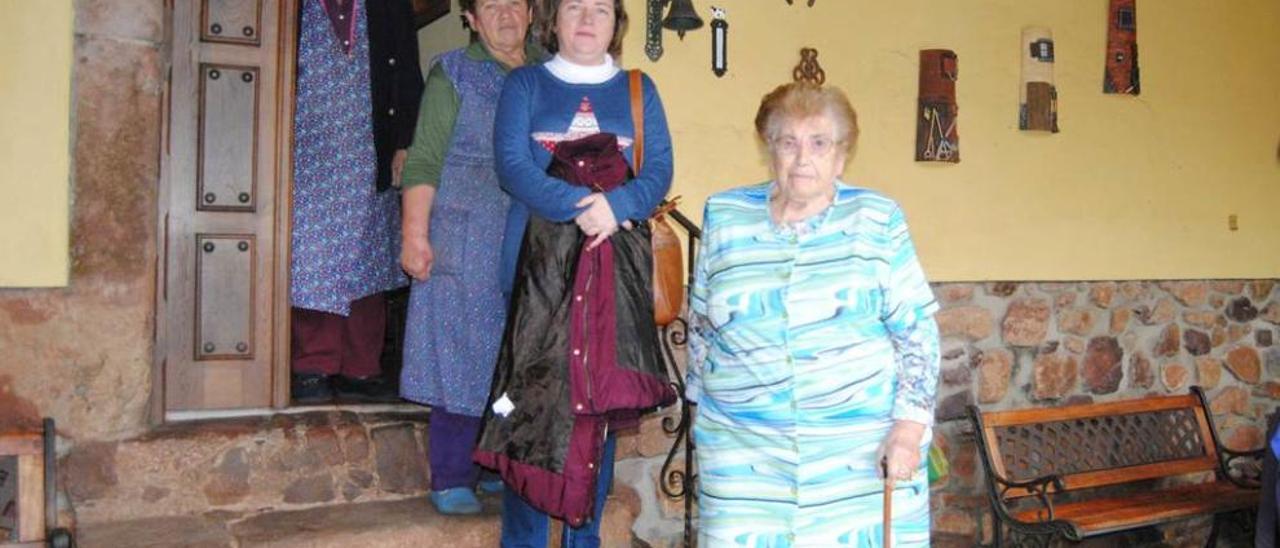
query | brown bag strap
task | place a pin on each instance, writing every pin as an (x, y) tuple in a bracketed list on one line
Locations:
[(637, 118)]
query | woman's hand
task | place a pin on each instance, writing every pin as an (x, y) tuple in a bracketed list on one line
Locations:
[(416, 257), (901, 450), (596, 219)]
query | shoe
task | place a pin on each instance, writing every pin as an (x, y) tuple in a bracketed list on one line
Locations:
[(456, 501), (490, 487), (310, 388), (371, 388)]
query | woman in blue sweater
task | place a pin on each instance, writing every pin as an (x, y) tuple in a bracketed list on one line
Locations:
[(579, 355)]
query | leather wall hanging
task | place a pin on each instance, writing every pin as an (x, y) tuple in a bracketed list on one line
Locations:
[(1121, 75), (1038, 97), (937, 139)]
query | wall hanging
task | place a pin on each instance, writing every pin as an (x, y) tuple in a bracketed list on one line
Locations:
[(653, 29), (719, 42), (1121, 75), (809, 70), (1038, 97), (681, 17), (937, 139)]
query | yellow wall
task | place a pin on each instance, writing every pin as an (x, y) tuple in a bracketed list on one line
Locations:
[(35, 121), (1133, 187)]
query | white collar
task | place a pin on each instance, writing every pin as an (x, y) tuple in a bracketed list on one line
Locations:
[(573, 73)]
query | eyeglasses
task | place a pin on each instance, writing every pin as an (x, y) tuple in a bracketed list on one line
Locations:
[(818, 145)]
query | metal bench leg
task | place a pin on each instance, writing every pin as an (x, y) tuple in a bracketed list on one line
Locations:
[(1212, 541), (1031, 540)]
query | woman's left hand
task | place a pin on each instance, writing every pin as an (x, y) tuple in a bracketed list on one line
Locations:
[(901, 450), (596, 219)]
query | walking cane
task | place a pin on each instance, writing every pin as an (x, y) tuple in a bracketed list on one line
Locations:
[(888, 501)]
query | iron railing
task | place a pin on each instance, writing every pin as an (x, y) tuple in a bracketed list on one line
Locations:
[(679, 480)]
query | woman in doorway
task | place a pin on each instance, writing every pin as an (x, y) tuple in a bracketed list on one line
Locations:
[(343, 246), (813, 353), (580, 349), (453, 211)]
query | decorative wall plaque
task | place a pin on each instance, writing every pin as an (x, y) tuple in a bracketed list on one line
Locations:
[(937, 139), (1121, 75), (1038, 96)]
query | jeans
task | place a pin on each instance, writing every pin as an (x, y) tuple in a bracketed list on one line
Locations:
[(524, 526)]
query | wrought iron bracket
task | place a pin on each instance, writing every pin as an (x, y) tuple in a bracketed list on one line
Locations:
[(653, 28), (1251, 481)]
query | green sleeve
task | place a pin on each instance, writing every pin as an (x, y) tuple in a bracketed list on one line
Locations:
[(433, 132)]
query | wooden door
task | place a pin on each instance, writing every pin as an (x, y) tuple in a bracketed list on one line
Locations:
[(221, 338)]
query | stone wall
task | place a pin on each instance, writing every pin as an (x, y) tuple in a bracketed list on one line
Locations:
[(83, 353)]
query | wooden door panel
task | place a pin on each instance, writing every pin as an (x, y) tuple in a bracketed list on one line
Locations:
[(219, 334), (224, 297), (231, 21), (228, 137)]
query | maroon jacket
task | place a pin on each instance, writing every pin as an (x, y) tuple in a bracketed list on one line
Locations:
[(580, 351)]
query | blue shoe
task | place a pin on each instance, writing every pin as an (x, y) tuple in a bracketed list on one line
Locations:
[(490, 487), (456, 501)]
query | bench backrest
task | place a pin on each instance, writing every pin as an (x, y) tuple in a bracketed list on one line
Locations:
[(1095, 445)]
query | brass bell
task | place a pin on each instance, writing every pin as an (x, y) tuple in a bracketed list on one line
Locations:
[(682, 17)]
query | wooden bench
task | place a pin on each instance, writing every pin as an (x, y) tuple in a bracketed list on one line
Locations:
[(32, 508), (1045, 466)]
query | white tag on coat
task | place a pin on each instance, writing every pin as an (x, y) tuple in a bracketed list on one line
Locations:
[(503, 406)]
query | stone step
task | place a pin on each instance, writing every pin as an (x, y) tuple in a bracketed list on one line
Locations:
[(400, 523), (286, 461)]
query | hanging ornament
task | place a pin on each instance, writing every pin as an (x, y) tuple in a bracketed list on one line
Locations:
[(1121, 75), (653, 29), (682, 17), (809, 70), (936, 137), (790, 2), (719, 42), (1038, 104)]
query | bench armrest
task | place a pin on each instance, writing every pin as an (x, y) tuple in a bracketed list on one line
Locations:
[(1248, 479), (1038, 487)]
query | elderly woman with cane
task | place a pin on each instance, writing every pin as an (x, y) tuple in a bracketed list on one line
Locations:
[(813, 357)]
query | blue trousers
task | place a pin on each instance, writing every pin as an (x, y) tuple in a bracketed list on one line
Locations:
[(524, 526)]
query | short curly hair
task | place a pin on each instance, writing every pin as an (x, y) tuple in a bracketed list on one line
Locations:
[(544, 25), (800, 100)]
